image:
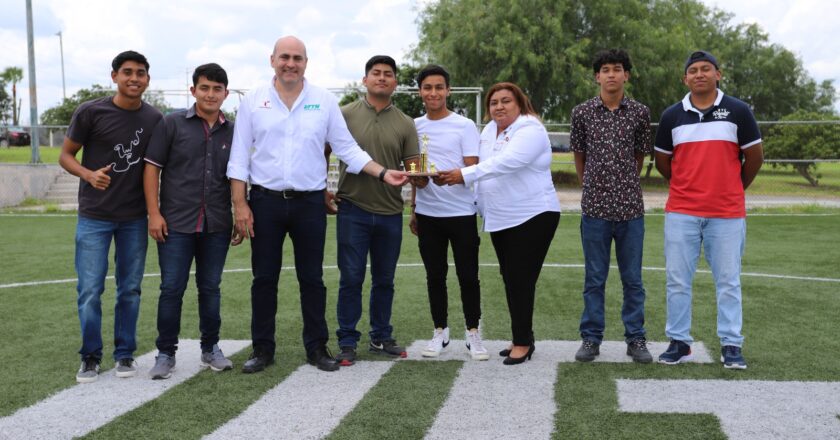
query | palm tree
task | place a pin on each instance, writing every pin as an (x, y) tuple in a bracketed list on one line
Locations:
[(13, 75)]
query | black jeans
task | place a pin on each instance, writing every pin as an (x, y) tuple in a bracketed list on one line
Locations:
[(305, 220), (521, 251), (435, 234)]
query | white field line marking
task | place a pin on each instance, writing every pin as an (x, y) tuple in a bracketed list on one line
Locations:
[(308, 404), (552, 265), (747, 409), (83, 408), (550, 351), (502, 401)]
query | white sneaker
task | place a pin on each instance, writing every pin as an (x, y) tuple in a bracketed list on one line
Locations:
[(439, 341), (476, 346)]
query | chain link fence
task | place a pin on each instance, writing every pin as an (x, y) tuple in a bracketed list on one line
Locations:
[(802, 167)]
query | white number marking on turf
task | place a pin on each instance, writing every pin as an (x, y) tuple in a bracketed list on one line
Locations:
[(747, 409), (492, 400), (84, 407), (308, 404)]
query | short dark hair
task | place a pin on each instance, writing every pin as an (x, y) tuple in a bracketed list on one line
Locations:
[(212, 72), (612, 56), (525, 106), (380, 59), (128, 55), (432, 69)]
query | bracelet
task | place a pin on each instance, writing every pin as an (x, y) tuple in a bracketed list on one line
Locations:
[(382, 174)]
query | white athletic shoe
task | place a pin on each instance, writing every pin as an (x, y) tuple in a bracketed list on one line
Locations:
[(439, 341), (476, 346)]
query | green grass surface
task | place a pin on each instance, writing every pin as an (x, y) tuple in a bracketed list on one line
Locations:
[(789, 329), (24, 154), (775, 181)]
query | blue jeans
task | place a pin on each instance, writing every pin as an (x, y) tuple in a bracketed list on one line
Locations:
[(597, 236), (358, 233), (305, 220), (722, 240), (175, 257), (93, 241)]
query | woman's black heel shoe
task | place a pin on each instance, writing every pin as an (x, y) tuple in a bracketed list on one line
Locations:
[(513, 361), (505, 352)]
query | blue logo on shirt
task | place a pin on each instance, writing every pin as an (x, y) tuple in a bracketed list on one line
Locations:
[(312, 107)]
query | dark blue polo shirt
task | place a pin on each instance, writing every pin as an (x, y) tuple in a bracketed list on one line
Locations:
[(193, 157)]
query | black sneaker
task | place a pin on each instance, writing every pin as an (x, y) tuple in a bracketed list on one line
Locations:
[(347, 357), (387, 347), (731, 357), (637, 349), (677, 352), (257, 362), (588, 351)]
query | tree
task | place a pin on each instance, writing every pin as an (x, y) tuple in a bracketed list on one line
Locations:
[(13, 75), (5, 104), (546, 47), (62, 113), (804, 142)]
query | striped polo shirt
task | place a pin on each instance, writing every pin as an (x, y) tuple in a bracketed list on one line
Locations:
[(706, 156)]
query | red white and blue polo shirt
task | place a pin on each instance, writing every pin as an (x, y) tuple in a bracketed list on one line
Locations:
[(705, 150)]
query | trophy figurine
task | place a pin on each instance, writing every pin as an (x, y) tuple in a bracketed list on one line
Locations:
[(424, 154), (412, 168)]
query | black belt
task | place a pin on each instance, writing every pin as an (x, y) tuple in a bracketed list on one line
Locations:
[(286, 193)]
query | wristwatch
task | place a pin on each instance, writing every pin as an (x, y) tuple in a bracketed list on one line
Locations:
[(382, 174)]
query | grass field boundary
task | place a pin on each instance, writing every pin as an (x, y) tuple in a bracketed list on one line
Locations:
[(552, 265)]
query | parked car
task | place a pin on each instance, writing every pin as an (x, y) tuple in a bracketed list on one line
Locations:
[(557, 147), (13, 136)]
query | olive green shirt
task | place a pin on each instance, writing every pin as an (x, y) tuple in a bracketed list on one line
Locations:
[(389, 137)]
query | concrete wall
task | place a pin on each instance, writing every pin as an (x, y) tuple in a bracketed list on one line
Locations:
[(19, 181)]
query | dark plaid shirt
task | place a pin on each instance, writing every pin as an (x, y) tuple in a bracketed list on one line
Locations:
[(610, 139)]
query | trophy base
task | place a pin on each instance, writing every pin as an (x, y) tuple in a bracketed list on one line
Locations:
[(410, 174)]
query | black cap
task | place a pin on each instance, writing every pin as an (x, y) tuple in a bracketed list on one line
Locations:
[(700, 55)]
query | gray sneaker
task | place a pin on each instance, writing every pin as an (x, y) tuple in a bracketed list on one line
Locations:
[(637, 349), (588, 351), (88, 371), (126, 367), (216, 360), (164, 366)]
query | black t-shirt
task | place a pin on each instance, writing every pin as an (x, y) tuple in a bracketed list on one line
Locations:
[(113, 136)]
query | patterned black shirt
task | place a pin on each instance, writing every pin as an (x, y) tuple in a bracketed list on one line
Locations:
[(610, 139)]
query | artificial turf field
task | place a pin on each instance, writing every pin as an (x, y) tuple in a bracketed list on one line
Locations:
[(791, 289)]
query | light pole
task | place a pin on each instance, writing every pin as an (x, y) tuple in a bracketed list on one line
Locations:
[(33, 100), (61, 47)]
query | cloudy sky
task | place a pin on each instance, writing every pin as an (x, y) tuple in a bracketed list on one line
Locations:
[(340, 36)]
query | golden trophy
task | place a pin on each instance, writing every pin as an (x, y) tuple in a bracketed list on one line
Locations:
[(425, 168)]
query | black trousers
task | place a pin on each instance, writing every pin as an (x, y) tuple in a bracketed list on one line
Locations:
[(435, 235), (304, 221), (521, 251)]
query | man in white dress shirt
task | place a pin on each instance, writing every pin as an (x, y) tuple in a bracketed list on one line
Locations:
[(278, 146)]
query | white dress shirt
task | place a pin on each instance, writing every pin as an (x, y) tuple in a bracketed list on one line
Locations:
[(450, 140), (513, 176), (280, 149)]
